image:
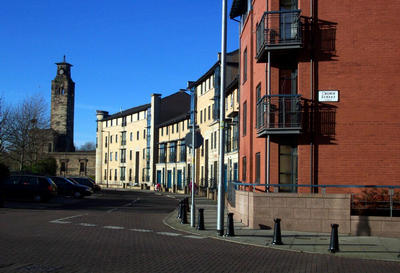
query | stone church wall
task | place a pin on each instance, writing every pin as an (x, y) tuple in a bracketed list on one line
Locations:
[(80, 163)]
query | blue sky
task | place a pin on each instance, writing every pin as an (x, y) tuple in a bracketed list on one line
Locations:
[(121, 51)]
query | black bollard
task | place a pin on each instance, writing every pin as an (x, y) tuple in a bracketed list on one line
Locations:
[(184, 215), (200, 222), (277, 232), (179, 210), (230, 231), (334, 245), (186, 202)]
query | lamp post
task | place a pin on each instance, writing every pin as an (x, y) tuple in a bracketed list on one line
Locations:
[(221, 189), (193, 123)]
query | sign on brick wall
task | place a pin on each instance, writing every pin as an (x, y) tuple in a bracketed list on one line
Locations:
[(328, 95)]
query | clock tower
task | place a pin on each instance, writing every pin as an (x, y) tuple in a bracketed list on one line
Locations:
[(62, 108)]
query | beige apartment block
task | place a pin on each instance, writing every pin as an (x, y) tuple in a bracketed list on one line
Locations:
[(207, 119), (173, 167), (127, 141), (122, 142)]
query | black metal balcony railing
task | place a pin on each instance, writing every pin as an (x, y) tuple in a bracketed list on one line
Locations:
[(279, 30), (279, 114)]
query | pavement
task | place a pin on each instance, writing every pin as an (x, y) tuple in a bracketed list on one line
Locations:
[(363, 247)]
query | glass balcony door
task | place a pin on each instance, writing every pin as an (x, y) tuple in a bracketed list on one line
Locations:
[(288, 167), (288, 20)]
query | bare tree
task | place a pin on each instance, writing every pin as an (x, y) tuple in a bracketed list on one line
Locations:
[(24, 128), (4, 113), (88, 146)]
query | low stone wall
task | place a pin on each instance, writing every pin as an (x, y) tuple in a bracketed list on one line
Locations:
[(299, 212), (308, 212), (375, 226)]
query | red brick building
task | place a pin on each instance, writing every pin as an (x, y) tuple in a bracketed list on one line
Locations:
[(319, 92)]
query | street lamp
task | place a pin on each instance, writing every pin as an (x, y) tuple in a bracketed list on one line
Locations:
[(192, 91)]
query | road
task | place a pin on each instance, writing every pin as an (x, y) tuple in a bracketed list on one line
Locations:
[(123, 231)]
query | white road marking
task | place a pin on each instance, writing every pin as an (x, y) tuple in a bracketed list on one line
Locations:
[(60, 222), (70, 217), (130, 204), (193, 237), (169, 233), (141, 230), (113, 227), (87, 225)]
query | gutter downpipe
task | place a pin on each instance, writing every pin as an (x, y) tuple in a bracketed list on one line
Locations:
[(268, 121), (312, 98)]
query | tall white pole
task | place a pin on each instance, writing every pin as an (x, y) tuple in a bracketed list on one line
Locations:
[(193, 118), (221, 175)]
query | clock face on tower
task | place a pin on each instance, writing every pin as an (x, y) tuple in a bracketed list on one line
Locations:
[(61, 71)]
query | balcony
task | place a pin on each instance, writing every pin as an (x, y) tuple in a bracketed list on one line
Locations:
[(279, 115), (278, 31)]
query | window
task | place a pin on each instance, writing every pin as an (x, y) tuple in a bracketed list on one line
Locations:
[(82, 167), (130, 136), (111, 139), (111, 122), (172, 152), (123, 155), (182, 151), (115, 174), (123, 121), (105, 174), (172, 129), (111, 156), (105, 158), (116, 121), (162, 131), (116, 138), (49, 147), (116, 156), (130, 155), (110, 174), (161, 150), (144, 134), (245, 65), (244, 118), (209, 109), (144, 153), (105, 144), (177, 127), (123, 138), (201, 116), (137, 135), (122, 174), (257, 168), (258, 108), (244, 169), (166, 130)]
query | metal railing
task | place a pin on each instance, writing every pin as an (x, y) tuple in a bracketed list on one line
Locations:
[(279, 112), (279, 28), (372, 200)]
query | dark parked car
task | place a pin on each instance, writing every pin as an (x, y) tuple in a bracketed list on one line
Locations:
[(86, 182), (40, 188), (68, 188)]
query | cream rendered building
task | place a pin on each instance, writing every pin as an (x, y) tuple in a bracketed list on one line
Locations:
[(173, 166), (207, 119), (123, 141), (127, 142)]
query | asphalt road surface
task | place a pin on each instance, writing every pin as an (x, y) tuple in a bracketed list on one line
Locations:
[(123, 231)]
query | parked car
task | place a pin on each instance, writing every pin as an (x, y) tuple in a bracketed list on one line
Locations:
[(86, 182), (39, 188), (68, 188)]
